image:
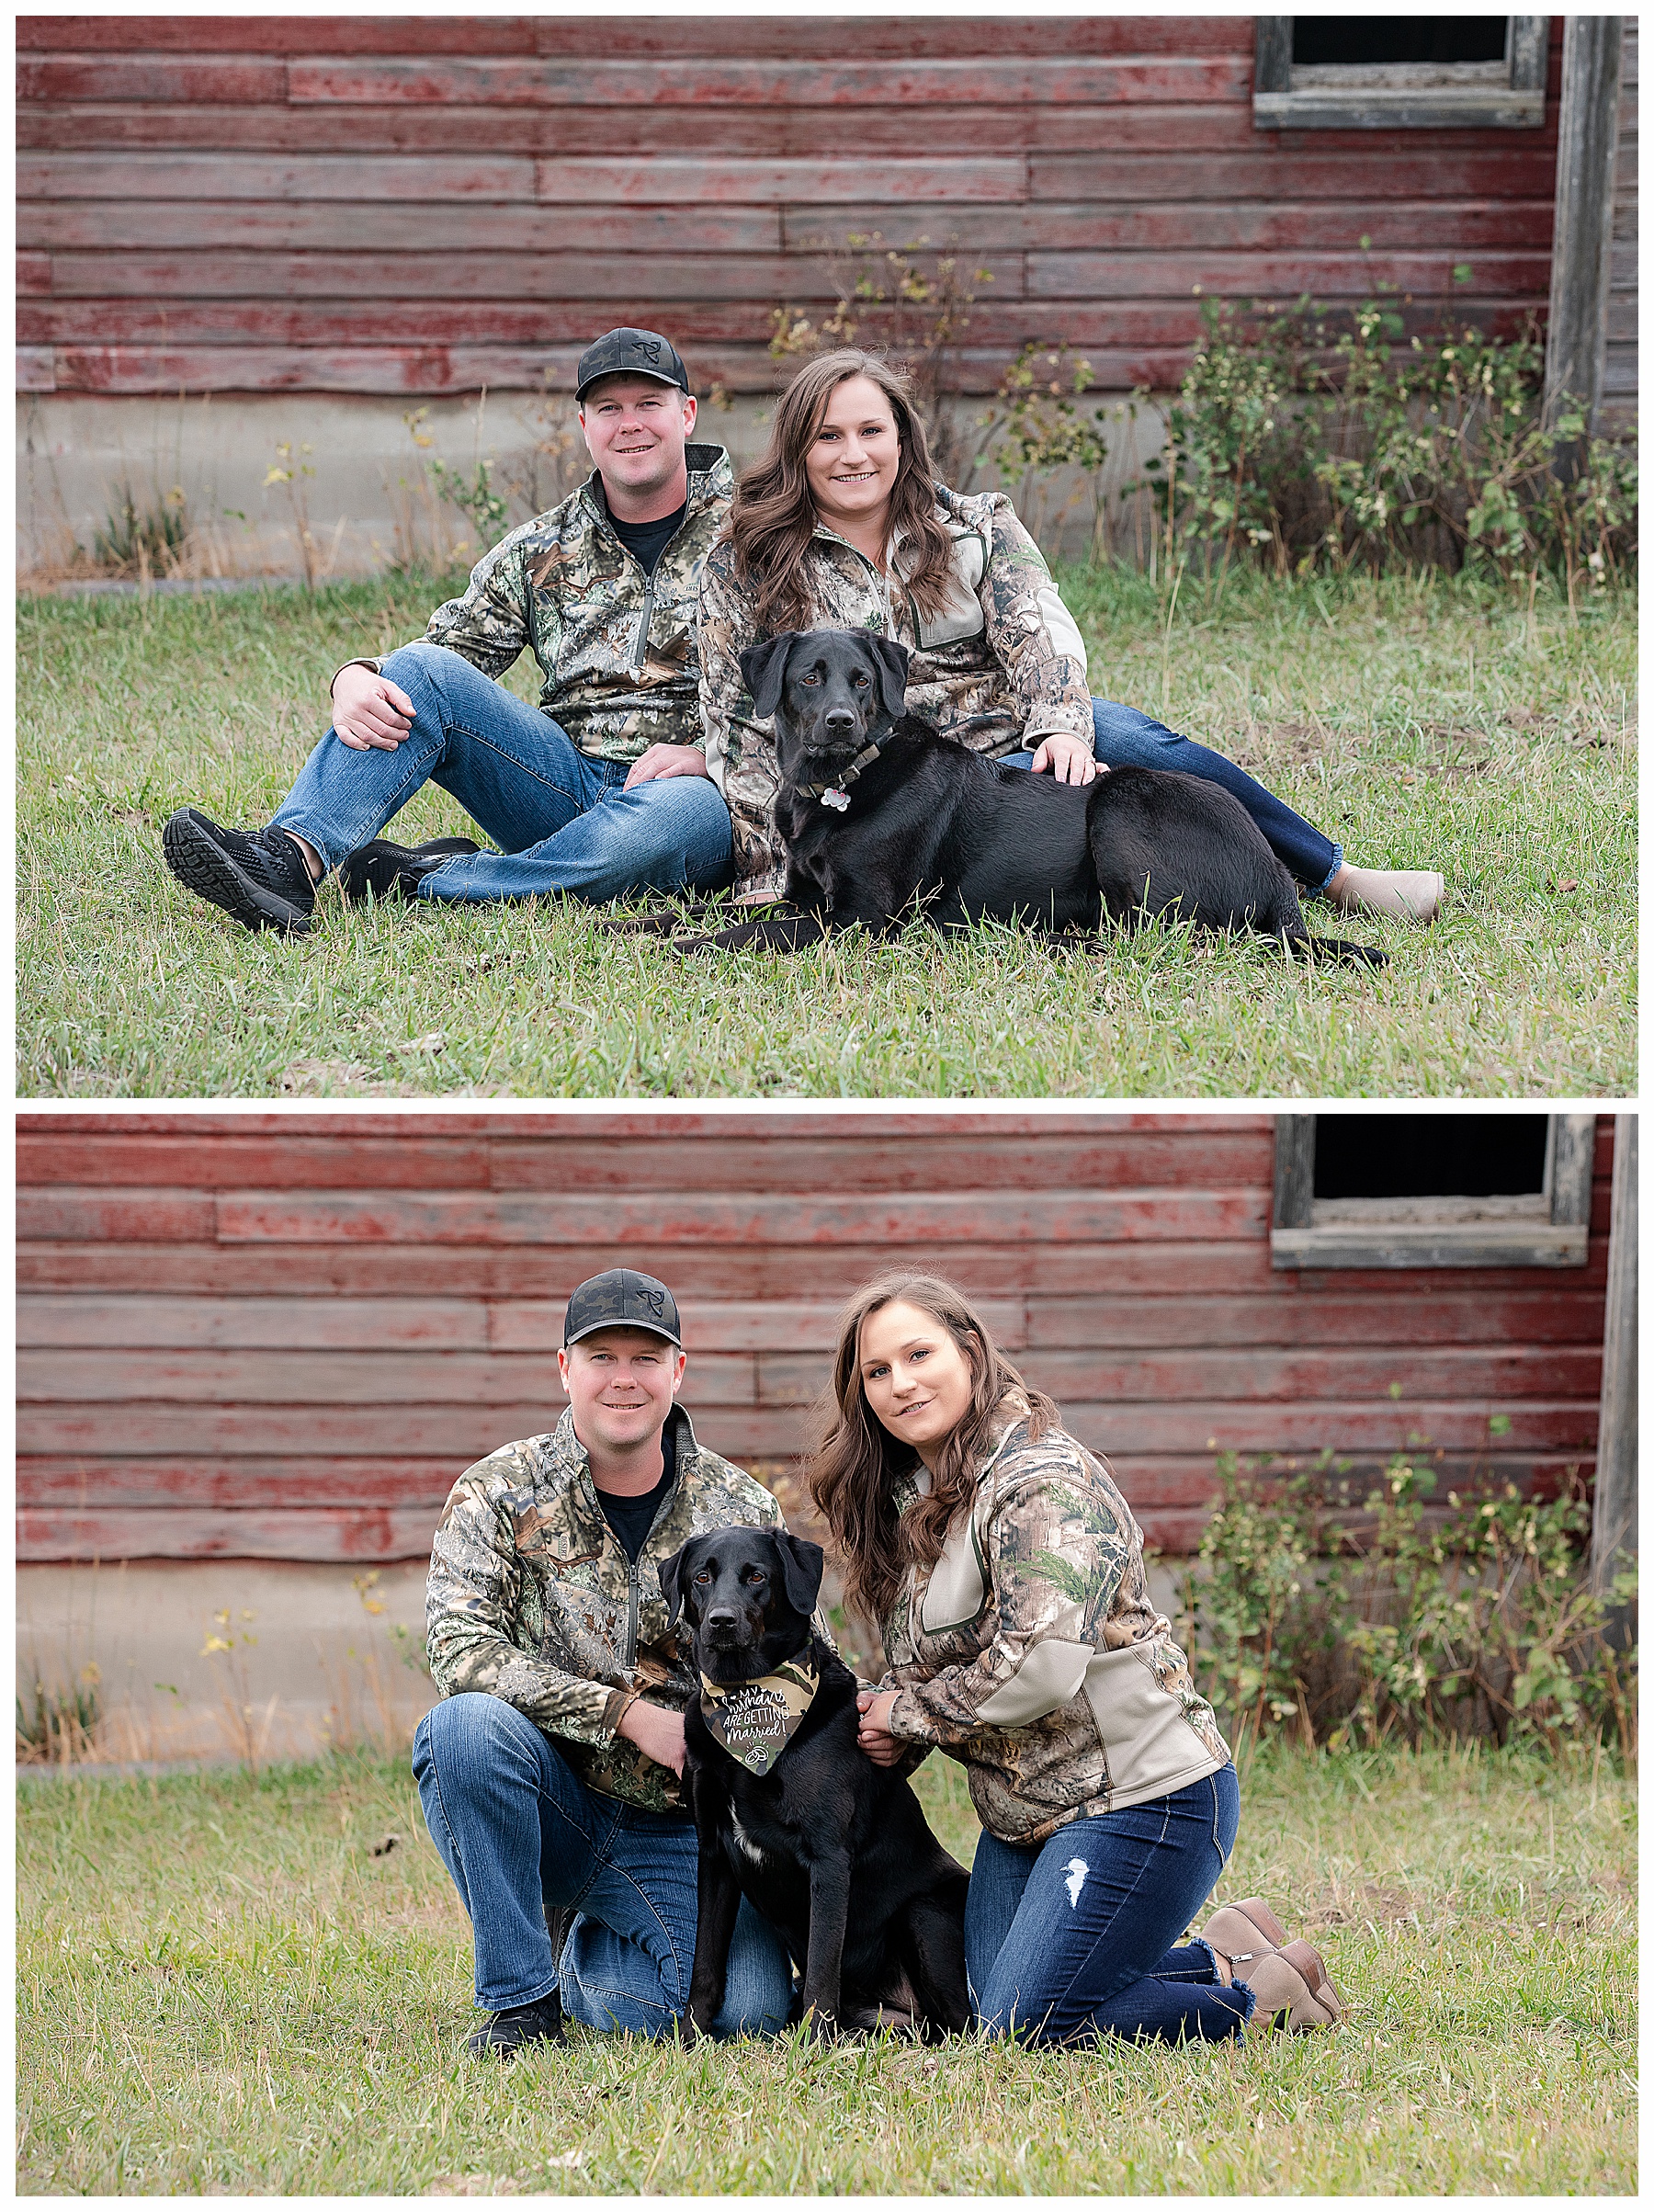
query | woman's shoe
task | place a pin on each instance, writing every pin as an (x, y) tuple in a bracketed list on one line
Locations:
[(1243, 1932), (1405, 894), (1293, 1990)]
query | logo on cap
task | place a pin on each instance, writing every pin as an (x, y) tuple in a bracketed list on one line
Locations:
[(649, 348)]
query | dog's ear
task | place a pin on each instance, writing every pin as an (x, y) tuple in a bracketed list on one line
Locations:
[(801, 1565), (763, 669), (672, 1583), (893, 663)]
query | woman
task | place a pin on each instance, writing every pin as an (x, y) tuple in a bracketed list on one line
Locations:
[(843, 525), (1007, 1573)]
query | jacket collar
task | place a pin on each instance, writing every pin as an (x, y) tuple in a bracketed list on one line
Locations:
[(568, 1450), (711, 479)]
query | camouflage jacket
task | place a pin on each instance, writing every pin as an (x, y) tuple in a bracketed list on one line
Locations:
[(616, 648), (532, 1598), (1030, 1651), (1001, 666)]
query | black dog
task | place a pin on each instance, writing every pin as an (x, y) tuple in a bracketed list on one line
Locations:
[(834, 1851), (883, 817)]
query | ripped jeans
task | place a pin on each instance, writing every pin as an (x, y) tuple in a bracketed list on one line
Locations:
[(1077, 1938)]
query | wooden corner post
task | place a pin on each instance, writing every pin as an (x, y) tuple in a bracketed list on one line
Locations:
[(1577, 338), (1614, 1511)]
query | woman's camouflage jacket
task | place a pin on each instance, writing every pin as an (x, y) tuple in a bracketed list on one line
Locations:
[(1001, 665), (616, 647), (532, 1598), (1030, 1652)]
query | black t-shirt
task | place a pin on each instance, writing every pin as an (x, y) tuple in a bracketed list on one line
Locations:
[(648, 541), (631, 1518)]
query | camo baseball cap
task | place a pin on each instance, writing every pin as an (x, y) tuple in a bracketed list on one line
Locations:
[(631, 353), (622, 1298)]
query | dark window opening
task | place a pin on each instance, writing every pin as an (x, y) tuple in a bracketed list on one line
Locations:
[(1429, 1155), (1383, 38)]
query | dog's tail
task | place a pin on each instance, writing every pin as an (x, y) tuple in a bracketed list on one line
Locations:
[(1299, 942)]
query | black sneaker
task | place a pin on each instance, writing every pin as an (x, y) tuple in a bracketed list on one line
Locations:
[(506, 2033), (259, 876), (382, 870)]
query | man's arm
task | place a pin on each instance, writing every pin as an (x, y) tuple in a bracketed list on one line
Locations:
[(471, 1600)]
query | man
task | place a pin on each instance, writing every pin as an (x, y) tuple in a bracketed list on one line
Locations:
[(601, 789), (549, 1774)]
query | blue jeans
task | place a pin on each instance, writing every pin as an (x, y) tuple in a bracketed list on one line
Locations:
[(561, 820), (518, 1831), (1076, 1938), (1127, 738)]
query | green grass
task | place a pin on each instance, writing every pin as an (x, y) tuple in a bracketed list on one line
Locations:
[(1421, 723), (221, 1990)]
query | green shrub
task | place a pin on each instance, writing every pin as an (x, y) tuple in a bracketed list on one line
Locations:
[(1311, 440), (1353, 1618)]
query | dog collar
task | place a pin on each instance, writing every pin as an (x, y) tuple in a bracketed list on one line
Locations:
[(756, 1721), (837, 795)]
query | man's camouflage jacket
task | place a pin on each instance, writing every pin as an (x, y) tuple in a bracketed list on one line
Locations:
[(532, 1598), (1000, 667), (1031, 1652), (616, 647)]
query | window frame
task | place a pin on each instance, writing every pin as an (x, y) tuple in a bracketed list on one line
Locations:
[(1400, 95), (1297, 1239)]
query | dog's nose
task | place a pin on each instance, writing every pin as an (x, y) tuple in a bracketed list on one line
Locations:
[(721, 1616), (839, 720)]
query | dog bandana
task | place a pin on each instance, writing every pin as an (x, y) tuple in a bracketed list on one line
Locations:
[(756, 1721)]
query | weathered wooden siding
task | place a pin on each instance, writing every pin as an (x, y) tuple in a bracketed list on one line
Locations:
[(425, 205), (1618, 408), (282, 1336)]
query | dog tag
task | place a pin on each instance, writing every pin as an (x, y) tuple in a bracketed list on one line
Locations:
[(838, 800)]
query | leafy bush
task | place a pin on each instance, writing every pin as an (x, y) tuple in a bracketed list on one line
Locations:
[(1309, 440), (1346, 1619)]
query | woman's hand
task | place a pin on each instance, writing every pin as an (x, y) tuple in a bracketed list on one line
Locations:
[(874, 1734), (666, 760), (1069, 759)]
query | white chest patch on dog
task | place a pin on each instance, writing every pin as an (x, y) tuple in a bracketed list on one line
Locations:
[(838, 800), (1076, 1871), (744, 1844)]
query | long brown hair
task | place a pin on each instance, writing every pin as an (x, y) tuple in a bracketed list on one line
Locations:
[(852, 1474), (774, 517)]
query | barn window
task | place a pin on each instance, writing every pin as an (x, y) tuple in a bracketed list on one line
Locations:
[(1432, 1190), (1381, 72)]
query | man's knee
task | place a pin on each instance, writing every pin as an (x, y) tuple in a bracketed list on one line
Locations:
[(420, 662), (471, 1728)]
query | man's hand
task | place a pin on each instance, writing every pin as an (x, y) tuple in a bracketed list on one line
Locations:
[(874, 1733), (1069, 759), (666, 760), (658, 1735), (369, 712)]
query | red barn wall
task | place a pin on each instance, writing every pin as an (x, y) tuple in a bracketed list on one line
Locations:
[(282, 1336), (424, 204)]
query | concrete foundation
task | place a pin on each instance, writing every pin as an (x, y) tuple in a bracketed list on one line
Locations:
[(272, 483), (310, 1663)]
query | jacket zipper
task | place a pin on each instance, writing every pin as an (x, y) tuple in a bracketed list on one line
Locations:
[(641, 643), (633, 1587)]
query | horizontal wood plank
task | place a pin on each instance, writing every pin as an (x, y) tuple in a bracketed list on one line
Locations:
[(774, 133), (414, 1157), (1053, 1217), (1148, 226), (1404, 1319), (759, 82), (466, 1433), (1349, 276), (732, 1272), (1414, 167), (421, 227), (272, 1324), (88, 1484), (606, 37)]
